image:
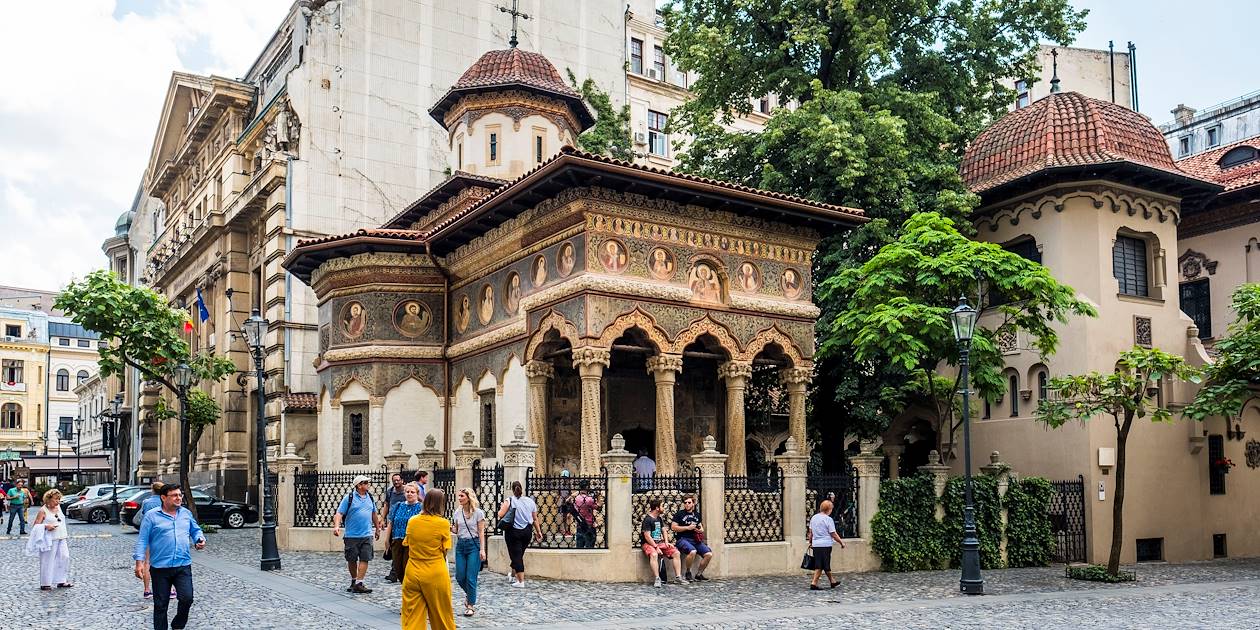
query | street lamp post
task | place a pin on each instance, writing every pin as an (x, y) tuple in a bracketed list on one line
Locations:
[(183, 379), (116, 403), (255, 330), (963, 319), (78, 450)]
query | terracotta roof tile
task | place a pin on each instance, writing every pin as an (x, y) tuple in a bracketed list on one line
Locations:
[(1206, 166), (1063, 129), (503, 67), (402, 235), (301, 401)]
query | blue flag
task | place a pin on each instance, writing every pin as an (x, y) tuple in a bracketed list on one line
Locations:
[(201, 307)]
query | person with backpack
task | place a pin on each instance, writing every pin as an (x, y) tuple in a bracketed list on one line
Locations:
[(582, 506), (357, 512), (516, 519)]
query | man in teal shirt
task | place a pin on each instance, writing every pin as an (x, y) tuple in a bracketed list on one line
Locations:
[(19, 498), (168, 534)]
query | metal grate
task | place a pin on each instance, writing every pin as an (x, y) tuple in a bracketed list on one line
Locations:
[(842, 489), (670, 489), (565, 522), (488, 484), (444, 479), (1067, 519), (754, 508), (316, 495)]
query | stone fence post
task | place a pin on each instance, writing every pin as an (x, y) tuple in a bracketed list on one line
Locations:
[(617, 503), (712, 467), (431, 457), (867, 464), (940, 477), (285, 467), (518, 458), (792, 463), (1002, 471), (465, 455), (396, 459)]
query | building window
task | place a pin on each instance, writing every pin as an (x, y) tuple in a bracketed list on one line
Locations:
[(102, 344), (63, 380), (988, 409), (12, 330), (1213, 136), (63, 342), (84, 343), (636, 56), (1219, 549), (1026, 248), (65, 427), (1239, 155), (658, 141), (81, 377), (658, 62), (1043, 385), (10, 416), (492, 145), (1150, 550), (487, 419), (1128, 265), (763, 105), (459, 156), (11, 371), (1216, 472), (1183, 146), (355, 431), (540, 144), (1196, 301), (1013, 381), (1022, 98)]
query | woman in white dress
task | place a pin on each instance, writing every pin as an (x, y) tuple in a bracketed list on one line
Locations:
[(54, 556)]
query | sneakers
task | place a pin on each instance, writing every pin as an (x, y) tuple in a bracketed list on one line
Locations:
[(699, 577), (148, 594), (689, 576), (520, 584), (657, 584), (511, 578), (678, 581), (360, 588), (174, 594)]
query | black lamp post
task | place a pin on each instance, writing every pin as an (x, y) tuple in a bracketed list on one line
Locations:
[(963, 319), (110, 434), (255, 330), (183, 380), (78, 450)]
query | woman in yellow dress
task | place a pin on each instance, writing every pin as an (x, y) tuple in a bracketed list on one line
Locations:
[(426, 591)]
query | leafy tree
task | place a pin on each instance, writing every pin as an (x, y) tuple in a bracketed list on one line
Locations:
[(144, 334), (899, 303), (1125, 396), (1231, 380), (610, 135)]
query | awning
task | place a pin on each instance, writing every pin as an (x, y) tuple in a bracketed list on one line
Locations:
[(43, 464)]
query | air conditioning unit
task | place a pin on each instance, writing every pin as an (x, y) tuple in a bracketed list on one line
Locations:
[(10, 339), (640, 137), (653, 75)]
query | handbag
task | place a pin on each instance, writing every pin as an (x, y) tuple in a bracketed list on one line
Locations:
[(509, 519), (807, 562)]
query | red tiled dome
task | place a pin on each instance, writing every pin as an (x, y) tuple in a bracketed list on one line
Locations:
[(1062, 129), (513, 68)]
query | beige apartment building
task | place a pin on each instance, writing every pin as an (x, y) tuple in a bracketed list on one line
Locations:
[(23, 374)]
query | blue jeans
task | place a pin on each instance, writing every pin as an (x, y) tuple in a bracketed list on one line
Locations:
[(19, 513), (163, 580), (468, 566)]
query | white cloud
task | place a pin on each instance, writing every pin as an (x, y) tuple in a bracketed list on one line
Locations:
[(83, 93)]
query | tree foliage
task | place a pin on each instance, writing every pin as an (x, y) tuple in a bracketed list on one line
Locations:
[(1230, 381), (610, 135)]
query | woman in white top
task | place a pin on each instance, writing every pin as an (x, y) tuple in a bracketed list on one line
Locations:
[(54, 564), (822, 535), (517, 536), (469, 527)]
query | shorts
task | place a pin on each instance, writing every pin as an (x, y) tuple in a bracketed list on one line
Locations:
[(359, 549), (822, 558), (687, 545), (666, 549)]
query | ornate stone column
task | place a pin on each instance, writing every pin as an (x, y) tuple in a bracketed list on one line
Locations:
[(867, 464), (736, 375), (795, 380), (539, 373), (590, 363), (665, 368), (894, 451)]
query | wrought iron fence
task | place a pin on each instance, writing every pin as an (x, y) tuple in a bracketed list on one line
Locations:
[(488, 484), (1067, 519), (444, 479), (754, 508), (571, 510), (316, 495), (842, 490), (670, 490)]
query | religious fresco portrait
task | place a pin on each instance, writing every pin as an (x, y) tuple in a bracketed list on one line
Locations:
[(353, 320), (411, 319), (539, 272), (792, 283), (463, 313), (748, 277), (705, 284), (566, 261), (613, 256), (485, 304), (512, 293), (661, 263)]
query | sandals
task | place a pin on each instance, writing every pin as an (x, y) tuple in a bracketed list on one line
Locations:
[(468, 610)]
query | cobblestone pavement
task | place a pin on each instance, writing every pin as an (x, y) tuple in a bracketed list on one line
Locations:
[(310, 593)]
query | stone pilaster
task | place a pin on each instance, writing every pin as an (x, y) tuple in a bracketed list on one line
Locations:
[(795, 380), (736, 375), (940, 476), (867, 464), (519, 456), (465, 454), (894, 451), (620, 465), (431, 457), (712, 467), (539, 373), (396, 459), (590, 364), (793, 464), (665, 368)]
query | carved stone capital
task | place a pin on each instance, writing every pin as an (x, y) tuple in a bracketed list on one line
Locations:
[(795, 379), (792, 464), (590, 361), (867, 465), (735, 372), (663, 364), (618, 461), (537, 371), (710, 462)]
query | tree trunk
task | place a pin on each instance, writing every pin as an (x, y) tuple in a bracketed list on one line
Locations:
[(183, 472), (1117, 506)]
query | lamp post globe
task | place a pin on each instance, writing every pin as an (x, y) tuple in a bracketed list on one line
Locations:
[(963, 319), (255, 331)]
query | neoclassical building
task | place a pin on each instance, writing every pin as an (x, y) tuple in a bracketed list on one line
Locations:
[(568, 293)]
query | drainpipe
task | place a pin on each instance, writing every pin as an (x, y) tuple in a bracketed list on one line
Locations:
[(1111, 57), (446, 360)]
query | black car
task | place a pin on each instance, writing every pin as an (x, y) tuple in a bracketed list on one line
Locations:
[(229, 514)]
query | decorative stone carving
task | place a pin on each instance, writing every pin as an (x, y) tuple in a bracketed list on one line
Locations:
[(636, 318), (384, 352), (590, 363), (795, 381), (1008, 341), (709, 461), (429, 442), (518, 452), (1193, 263), (590, 356), (469, 439), (618, 461), (792, 462), (1142, 331), (502, 333), (553, 321), (736, 375)]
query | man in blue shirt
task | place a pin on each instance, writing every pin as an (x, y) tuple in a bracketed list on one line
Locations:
[(153, 502), (167, 535), (357, 512)]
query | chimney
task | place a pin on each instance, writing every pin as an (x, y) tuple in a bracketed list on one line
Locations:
[(1183, 114)]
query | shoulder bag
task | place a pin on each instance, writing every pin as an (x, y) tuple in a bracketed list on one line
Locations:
[(807, 562), (509, 519)]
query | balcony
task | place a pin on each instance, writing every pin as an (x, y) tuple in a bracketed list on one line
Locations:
[(6, 386)]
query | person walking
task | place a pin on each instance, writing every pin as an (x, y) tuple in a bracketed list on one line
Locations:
[(517, 534), (152, 502), (54, 557), (422, 480), (469, 527), (166, 537), (393, 496), (822, 536), (426, 590), (357, 512), (582, 505), (19, 498), (396, 530)]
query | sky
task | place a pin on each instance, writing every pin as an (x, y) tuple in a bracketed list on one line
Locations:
[(85, 82)]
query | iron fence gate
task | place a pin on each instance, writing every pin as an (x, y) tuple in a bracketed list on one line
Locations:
[(754, 508), (444, 479), (1067, 519), (571, 510), (316, 495), (670, 490), (488, 484), (842, 490)]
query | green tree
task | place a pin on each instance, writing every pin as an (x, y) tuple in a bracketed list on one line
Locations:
[(1232, 379), (1125, 395), (143, 332), (899, 303), (610, 135)]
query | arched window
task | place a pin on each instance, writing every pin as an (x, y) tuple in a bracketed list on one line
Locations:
[(1238, 155), (10, 416), (81, 376), (63, 380), (1043, 385), (1014, 395)]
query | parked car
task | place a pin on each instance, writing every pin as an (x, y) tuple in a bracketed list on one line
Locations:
[(88, 493), (101, 509), (210, 509)]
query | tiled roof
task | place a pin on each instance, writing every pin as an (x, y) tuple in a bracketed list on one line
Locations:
[(1205, 166), (514, 66), (301, 401), (1062, 129), (402, 235), (439, 194)]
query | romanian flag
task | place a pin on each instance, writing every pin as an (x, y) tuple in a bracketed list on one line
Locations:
[(188, 325)]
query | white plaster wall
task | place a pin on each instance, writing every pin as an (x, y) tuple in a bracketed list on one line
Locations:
[(516, 146), (1237, 254), (331, 426), (412, 412), (511, 405), (464, 413)]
